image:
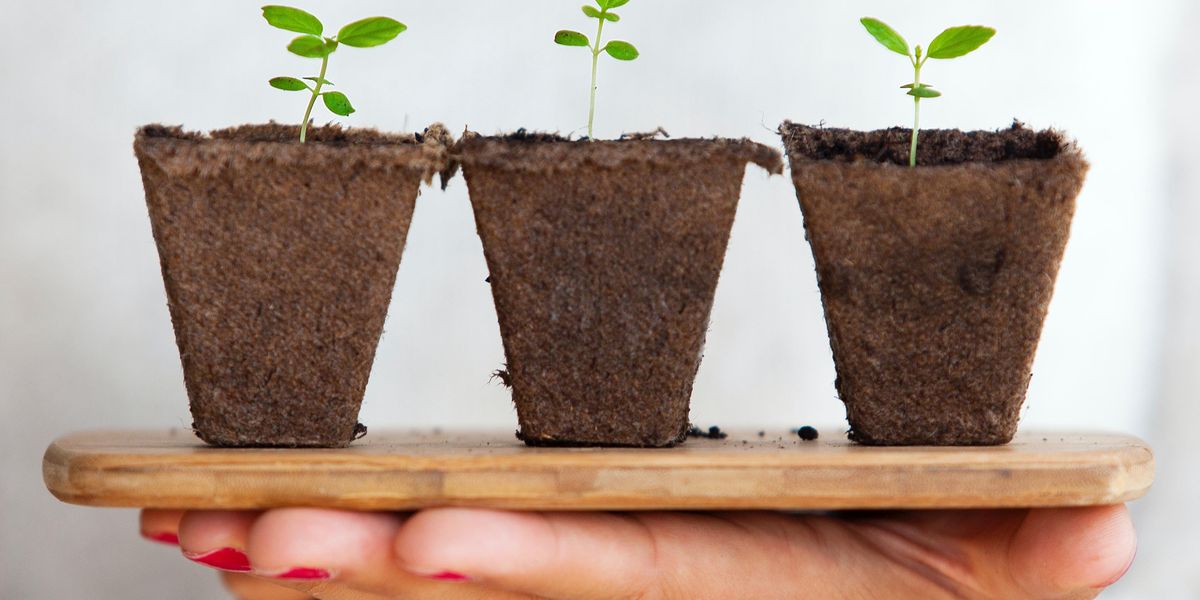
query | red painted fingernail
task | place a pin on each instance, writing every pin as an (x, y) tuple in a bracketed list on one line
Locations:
[(225, 559), (165, 537), (305, 573), (448, 576)]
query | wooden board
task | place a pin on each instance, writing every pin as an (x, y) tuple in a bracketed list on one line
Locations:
[(399, 471)]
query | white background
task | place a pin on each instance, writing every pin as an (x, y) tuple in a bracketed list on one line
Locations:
[(85, 338)]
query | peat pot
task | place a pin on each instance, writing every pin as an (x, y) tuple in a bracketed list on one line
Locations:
[(604, 259), (935, 279), (279, 261)]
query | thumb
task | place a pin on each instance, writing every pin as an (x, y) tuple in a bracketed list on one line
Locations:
[(1072, 552)]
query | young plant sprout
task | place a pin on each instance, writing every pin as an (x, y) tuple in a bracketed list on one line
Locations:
[(951, 43), (373, 31), (616, 49)]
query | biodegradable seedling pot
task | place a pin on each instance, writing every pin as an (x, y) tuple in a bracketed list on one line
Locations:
[(279, 261), (604, 259), (935, 280)]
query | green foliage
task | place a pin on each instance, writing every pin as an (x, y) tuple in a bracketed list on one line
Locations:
[(617, 49), (288, 84), (311, 46), (337, 103), (366, 33), (571, 38), (600, 14), (884, 34), (293, 19), (923, 91), (951, 43), (959, 41), (621, 50)]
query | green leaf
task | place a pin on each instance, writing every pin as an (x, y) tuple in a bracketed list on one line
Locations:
[(288, 84), (612, 3), (292, 19), (885, 35), (909, 86), (369, 32), (337, 103), (959, 41), (621, 50), (571, 38), (319, 80), (311, 47), (924, 91), (595, 14)]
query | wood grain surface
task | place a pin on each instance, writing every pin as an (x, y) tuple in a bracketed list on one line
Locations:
[(399, 470)]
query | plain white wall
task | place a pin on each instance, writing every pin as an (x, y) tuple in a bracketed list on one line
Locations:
[(1167, 520), (85, 339)]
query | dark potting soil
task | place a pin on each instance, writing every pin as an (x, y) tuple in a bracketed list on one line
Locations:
[(435, 136), (536, 151), (332, 135), (541, 137), (936, 146), (935, 280), (533, 137), (603, 259), (279, 262)]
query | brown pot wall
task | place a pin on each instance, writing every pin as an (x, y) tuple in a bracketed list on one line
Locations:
[(935, 280), (279, 262), (604, 259)]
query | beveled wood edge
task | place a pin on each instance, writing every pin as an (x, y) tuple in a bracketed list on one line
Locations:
[(1120, 474)]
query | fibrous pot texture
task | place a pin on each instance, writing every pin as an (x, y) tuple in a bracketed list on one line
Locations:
[(604, 259), (279, 261), (935, 280)]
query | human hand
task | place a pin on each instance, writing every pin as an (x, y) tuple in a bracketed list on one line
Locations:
[(450, 553)]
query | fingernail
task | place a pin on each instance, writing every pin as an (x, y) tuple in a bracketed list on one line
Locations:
[(1124, 571), (304, 573), (165, 537), (225, 559), (444, 576)]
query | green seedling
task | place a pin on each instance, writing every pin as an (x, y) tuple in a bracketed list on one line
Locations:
[(616, 48), (951, 43), (367, 33)]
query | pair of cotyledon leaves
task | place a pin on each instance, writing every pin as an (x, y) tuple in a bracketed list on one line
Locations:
[(366, 33), (951, 43), (617, 49)]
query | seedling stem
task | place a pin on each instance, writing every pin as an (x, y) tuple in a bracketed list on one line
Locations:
[(316, 93), (917, 64), (595, 67)]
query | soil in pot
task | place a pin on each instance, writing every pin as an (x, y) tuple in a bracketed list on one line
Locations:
[(604, 259), (935, 280), (279, 261)]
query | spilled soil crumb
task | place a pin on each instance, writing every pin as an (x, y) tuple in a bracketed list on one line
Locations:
[(712, 433), (808, 433)]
